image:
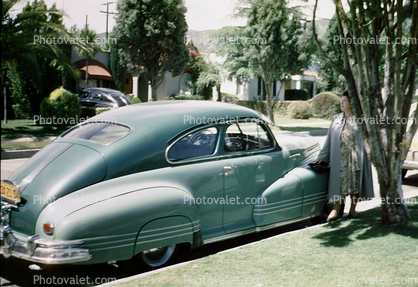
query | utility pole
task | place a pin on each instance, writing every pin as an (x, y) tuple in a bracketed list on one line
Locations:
[(107, 17)]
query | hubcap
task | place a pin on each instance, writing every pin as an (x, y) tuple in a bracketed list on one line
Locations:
[(156, 257)]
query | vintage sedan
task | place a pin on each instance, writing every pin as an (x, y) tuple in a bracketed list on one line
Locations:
[(142, 180), (103, 98)]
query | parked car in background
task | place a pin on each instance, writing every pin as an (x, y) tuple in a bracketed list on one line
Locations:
[(142, 180), (411, 161), (103, 98)]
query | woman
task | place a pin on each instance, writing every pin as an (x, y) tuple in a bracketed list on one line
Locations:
[(350, 169)]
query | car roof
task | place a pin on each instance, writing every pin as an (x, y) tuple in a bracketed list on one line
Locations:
[(175, 116), (103, 90)]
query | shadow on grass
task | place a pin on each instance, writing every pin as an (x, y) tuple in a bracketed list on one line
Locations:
[(301, 128), (31, 131), (367, 226)]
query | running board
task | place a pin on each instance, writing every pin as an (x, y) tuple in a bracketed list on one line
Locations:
[(256, 229)]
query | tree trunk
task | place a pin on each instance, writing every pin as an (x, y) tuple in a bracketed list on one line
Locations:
[(87, 72)]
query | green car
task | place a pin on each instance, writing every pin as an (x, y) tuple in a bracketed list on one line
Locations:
[(142, 180)]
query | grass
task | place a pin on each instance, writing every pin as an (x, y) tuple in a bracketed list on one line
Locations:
[(343, 253), (15, 129), (27, 128), (24, 145)]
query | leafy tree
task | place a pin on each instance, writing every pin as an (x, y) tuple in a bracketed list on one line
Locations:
[(268, 46), (151, 34), (90, 49), (381, 98), (30, 47), (205, 76), (116, 66)]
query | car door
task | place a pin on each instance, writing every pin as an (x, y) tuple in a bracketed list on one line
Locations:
[(249, 162)]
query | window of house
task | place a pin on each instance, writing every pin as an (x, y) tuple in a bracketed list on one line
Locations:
[(194, 145)]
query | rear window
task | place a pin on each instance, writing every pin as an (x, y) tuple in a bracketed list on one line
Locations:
[(102, 133)]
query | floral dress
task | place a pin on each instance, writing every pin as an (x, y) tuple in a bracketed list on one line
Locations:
[(350, 170)]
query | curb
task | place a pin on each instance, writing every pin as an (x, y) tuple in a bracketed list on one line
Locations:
[(13, 154)]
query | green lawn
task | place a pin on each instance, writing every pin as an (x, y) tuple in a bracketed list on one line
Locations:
[(359, 252), (27, 128)]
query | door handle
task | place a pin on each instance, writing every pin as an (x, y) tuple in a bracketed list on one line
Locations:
[(229, 167)]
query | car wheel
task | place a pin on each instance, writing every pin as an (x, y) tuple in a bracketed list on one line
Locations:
[(157, 257)]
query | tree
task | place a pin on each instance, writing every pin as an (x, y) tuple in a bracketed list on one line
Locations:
[(116, 67), (381, 98), (90, 49), (269, 46), (151, 34), (30, 51)]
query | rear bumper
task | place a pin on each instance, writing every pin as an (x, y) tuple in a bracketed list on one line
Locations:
[(40, 250), (36, 249)]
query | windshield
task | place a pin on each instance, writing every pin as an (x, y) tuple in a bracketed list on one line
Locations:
[(102, 133)]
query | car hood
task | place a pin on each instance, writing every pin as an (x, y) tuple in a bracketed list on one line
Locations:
[(55, 171)]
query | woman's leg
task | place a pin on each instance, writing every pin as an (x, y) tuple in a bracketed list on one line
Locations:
[(337, 210), (354, 200)]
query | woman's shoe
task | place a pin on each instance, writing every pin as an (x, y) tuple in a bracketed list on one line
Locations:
[(351, 216), (339, 215)]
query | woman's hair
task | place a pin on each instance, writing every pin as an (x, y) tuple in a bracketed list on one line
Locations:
[(345, 94)]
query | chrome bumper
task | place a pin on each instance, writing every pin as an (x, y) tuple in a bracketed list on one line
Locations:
[(36, 249)]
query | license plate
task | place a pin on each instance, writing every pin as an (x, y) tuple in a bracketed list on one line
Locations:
[(8, 191)]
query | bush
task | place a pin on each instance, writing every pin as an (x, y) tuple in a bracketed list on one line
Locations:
[(88, 112), (296, 95), (63, 106), (185, 97), (300, 110), (259, 106), (101, 110), (135, 100), (229, 98), (325, 105), (281, 108), (21, 112)]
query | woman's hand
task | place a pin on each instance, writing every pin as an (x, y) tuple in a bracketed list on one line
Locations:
[(317, 161)]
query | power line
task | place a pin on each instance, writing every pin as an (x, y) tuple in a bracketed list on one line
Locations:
[(107, 17)]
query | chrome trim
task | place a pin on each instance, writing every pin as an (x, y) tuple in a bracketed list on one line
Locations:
[(39, 250), (256, 229), (410, 165)]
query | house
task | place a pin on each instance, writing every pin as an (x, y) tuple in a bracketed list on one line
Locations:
[(97, 69), (255, 88)]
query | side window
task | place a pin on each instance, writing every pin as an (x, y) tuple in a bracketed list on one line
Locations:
[(246, 137), (95, 96), (197, 144)]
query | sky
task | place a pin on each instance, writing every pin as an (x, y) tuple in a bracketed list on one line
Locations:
[(201, 14)]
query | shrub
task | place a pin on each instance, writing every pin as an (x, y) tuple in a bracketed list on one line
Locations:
[(63, 106), (101, 110), (229, 98), (135, 100), (296, 95), (259, 106), (325, 105), (185, 97), (21, 112), (300, 110), (88, 112), (281, 107)]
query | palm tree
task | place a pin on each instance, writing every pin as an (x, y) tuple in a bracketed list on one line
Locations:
[(19, 36), (89, 49)]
